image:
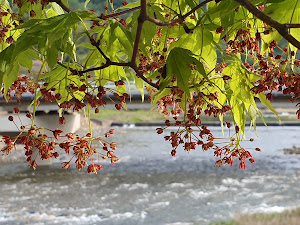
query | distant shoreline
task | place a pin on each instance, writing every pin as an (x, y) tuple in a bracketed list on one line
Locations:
[(213, 124)]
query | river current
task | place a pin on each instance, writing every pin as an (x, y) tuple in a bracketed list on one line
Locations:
[(149, 186)]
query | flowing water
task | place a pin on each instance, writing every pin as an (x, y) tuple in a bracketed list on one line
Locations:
[(148, 186)]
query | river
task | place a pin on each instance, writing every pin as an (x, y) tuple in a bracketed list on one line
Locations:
[(148, 186)]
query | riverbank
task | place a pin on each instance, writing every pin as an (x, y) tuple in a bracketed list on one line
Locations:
[(153, 118), (290, 217)]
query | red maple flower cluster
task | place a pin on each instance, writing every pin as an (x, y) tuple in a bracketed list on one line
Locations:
[(8, 21), (277, 72), (190, 131), (32, 13), (22, 85), (37, 144)]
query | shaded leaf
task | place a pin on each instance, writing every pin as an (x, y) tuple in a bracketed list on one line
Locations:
[(267, 103), (178, 63)]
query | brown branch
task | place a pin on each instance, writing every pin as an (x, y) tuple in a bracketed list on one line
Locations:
[(137, 42), (132, 64), (119, 64), (143, 7), (292, 25), (104, 17), (140, 75), (141, 19), (163, 23), (196, 8), (107, 64), (61, 4), (134, 67), (95, 44), (281, 28)]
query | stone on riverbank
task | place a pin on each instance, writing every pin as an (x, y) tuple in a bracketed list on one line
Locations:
[(293, 150)]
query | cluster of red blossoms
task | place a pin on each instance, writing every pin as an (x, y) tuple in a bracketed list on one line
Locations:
[(104, 17), (22, 85), (271, 68), (95, 97), (32, 13), (192, 133), (8, 21), (39, 145), (278, 72)]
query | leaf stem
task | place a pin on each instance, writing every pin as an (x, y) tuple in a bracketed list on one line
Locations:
[(35, 92), (61, 4), (90, 124)]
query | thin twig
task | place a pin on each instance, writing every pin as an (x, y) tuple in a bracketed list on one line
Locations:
[(292, 25), (164, 23), (196, 8), (104, 17), (95, 44), (95, 68), (104, 66), (140, 75)]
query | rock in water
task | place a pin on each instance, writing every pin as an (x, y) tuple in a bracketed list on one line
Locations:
[(293, 150)]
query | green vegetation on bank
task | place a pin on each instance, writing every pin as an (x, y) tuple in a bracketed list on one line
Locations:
[(136, 116), (288, 217)]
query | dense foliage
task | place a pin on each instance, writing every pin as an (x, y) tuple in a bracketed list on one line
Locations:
[(98, 6), (212, 57)]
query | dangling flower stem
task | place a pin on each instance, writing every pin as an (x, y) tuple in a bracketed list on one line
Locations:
[(35, 92)]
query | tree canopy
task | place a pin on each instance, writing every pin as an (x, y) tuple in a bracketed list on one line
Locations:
[(98, 6), (194, 57)]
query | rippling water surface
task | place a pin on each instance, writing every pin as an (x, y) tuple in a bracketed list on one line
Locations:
[(148, 186)]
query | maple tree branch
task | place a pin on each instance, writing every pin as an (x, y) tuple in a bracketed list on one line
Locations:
[(134, 67), (104, 17), (141, 19), (163, 23), (137, 42), (281, 28), (140, 75), (132, 64), (107, 64), (95, 44), (291, 25), (196, 8), (61, 4)]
